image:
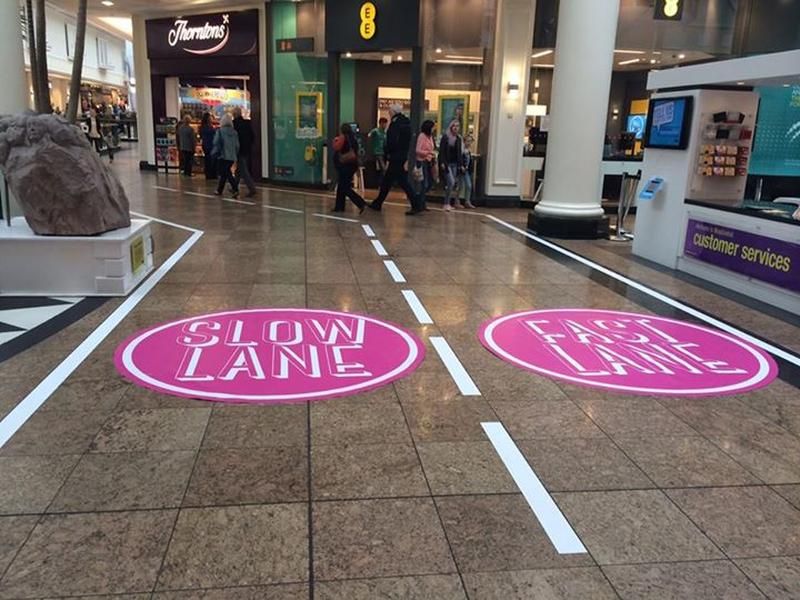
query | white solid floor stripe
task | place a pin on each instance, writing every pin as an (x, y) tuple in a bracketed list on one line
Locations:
[(457, 371), (698, 314), (417, 308), (368, 230), (345, 219), (31, 403), (397, 276), (213, 197), (379, 248), (281, 208), (555, 525), (163, 222), (298, 192)]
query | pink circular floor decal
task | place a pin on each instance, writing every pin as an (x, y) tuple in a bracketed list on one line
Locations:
[(269, 355), (628, 352)]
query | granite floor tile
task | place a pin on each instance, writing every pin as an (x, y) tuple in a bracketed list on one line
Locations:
[(790, 493), (678, 581), (425, 587), (242, 546), (773, 457), (464, 468), (249, 476), (106, 553), (55, 433), (366, 471), (743, 521), (779, 577), (13, 533), (721, 417), (152, 430), (499, 533), (374, 418), (632, 416), (586, 583), (681, 461), (77, 395), (379, 538), (582, 464), (634, 526), (291, 591), (233, 426), (126, 481), (31, 482), (456, 420), (139, 398), (529, 420)]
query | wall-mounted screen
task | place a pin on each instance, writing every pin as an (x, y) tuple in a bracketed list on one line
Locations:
[(636, 124), (776, 148), (668, 123)]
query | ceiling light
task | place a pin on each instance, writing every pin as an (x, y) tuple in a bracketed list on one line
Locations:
[(349, 55), (463, 56), (542, 66), (107, 3), (652, 61), (438, 51), (399, 57), (629, 61), (681, 56), (740, 83), (541, 54), (450, 61), (630, 52)]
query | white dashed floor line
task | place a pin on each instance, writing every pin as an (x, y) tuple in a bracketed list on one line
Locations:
[(417, 307), (368, 230), (31, 403), (396, 274), (555, 525), (331, 217), (457, 371), (379, 248)]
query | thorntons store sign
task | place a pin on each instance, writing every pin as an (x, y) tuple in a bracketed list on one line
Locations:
[(223, 34)]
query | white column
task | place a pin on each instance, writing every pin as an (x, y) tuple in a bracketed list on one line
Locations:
[(584, 59), (14, 98), (511, 65), (144, 97)]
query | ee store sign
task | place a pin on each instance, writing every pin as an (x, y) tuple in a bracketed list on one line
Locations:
[(265, 356), (628, 352)]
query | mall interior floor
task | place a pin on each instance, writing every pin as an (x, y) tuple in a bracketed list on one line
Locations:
[(110, 490)]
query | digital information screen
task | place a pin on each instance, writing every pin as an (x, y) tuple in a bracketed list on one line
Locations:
[(668, 123)]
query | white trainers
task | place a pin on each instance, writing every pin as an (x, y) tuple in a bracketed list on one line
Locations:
[(469, 205), (447, 207)]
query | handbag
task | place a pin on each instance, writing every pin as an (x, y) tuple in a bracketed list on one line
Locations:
[(348, 157), (417, 173)]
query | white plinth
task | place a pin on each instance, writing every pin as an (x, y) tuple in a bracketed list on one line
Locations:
[(102, 265)]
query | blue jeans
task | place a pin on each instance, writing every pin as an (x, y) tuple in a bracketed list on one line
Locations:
[(424, 186), (466, 179), (452, 183)]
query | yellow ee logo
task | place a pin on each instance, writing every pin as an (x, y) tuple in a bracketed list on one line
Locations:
[(368, 14), (671, 7)]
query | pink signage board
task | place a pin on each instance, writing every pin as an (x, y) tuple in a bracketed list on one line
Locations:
[(628, 352), (269, 355)]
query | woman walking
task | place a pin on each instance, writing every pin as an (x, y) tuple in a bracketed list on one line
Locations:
[(186, 144), (424, 170), (207, 133), (345, 159), (451, 162), (226, 149)]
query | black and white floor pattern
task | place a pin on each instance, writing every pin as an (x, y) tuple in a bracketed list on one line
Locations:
[(26, 321)]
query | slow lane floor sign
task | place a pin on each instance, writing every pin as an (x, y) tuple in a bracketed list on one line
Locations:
[(265, 356), (628, 352)]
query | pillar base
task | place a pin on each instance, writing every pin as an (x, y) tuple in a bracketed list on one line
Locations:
[(580, 228)]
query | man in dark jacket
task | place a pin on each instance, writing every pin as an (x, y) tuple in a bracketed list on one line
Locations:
[(398, 141), (244, 129)]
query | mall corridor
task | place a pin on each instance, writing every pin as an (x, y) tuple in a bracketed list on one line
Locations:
[(419, 486)]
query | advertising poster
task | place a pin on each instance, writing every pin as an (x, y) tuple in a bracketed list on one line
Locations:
[(776, 149), (309, 115), (769, 260), (453, 108), (217, 101), (166, 142)]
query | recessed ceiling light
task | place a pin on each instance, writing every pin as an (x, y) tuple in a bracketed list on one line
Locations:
[(107, 3), (438, 51), (399, 57), (740, 83), (630, 52), (681, 56), (541, 54), (349, 55), (652, 61), (628, 62)]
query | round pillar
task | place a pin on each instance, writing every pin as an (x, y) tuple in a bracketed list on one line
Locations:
[(584, 60), (14, 98)]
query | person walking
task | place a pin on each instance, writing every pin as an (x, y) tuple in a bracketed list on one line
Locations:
[(398, 143), (96, 134), (226, 149), (244, 129), (187, 141), (425, 164), (451, 159), (377, 139), (207, 133), (467, 165), (345, 159)]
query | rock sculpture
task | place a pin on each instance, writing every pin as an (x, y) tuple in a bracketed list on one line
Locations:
[(59, 181)]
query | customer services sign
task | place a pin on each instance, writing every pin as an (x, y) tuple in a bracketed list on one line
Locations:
[(763, 258)]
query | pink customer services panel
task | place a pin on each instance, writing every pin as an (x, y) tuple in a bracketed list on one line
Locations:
[(269, 355), (628, 352)]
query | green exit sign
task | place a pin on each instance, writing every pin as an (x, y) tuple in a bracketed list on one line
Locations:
[(669, 10)]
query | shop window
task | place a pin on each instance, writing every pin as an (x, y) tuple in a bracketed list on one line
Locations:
[(104, 54)]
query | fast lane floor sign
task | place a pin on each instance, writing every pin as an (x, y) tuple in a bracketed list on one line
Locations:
[(269, 355), (628, 352)]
